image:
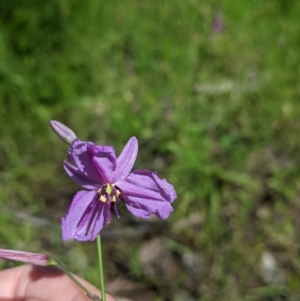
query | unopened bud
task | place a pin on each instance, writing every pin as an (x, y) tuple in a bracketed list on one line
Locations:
[(28, 257), (65, 133)]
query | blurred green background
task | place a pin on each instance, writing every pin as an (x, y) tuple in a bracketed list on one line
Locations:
[(211, 90)]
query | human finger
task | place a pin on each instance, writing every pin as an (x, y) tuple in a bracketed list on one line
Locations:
[(36, 283)]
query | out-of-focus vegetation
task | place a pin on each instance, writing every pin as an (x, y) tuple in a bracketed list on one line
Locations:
[(216, 112)]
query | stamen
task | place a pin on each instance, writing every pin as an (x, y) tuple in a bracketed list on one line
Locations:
[(109, 192), (103, 198)]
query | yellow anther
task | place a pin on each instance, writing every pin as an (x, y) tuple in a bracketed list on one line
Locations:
[(103, 198), (109, 192)]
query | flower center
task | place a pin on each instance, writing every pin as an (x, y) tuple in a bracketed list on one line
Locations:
[(108, 192)]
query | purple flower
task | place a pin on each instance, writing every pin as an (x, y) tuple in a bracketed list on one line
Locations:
[(108, 180)]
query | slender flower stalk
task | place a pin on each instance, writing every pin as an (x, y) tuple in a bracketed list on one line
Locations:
[(101, 273), (90, 295)]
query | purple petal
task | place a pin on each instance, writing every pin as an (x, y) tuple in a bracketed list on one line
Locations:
[(145, 193), (95, 162), (104, 164), (93, 221), (126, 160), (143, 207), (86, 217), (80, 203), (80, 178), (167, 189)]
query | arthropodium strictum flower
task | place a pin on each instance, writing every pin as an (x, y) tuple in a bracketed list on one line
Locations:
[(28, 257), (107, 181)]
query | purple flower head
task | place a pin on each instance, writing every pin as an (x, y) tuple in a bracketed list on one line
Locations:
[(107, 181)]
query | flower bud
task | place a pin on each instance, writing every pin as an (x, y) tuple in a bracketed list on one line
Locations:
[(65, 133), (28, 257)]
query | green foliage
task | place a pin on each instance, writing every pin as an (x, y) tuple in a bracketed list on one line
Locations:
[(215, 113)]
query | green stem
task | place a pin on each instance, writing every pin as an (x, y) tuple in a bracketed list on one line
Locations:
[(101, 274), (62, 267)]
